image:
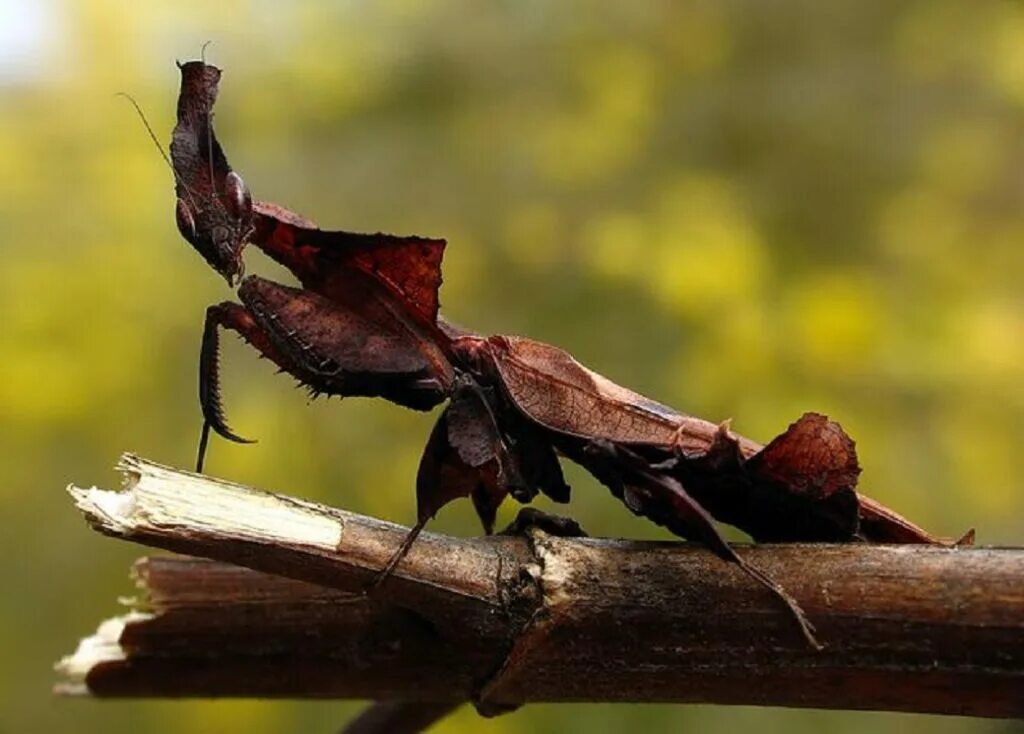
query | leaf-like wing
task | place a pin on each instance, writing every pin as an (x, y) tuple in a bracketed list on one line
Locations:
[(800, 487), (556, 391)]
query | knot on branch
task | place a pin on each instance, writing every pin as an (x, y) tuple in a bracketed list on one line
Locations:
[(535, 594)]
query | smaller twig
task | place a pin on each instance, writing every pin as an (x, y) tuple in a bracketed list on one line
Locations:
[(398, 717)]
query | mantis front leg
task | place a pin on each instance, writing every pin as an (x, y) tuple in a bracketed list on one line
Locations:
[(236, 317)]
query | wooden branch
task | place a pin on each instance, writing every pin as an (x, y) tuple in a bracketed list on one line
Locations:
[(510, 620)]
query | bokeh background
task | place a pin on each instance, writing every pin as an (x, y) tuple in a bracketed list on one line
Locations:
[(740, 208)]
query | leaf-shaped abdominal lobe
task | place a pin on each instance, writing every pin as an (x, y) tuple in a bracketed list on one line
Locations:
[(555, 390)]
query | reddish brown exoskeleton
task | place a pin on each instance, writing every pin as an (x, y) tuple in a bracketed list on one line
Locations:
[(213, 209), (365, 323), (343, 333)]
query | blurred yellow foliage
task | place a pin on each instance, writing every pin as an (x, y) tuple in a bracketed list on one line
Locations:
[(833, 320)]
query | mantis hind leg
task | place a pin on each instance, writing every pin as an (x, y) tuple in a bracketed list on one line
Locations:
[(663, 499), (398, 555)]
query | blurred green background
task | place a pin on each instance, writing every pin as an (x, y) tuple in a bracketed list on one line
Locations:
[(740, 208)]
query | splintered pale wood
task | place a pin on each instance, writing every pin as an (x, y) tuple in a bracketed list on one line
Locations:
[(506, 621)]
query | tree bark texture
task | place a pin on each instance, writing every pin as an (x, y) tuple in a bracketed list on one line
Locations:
[(507, 620)]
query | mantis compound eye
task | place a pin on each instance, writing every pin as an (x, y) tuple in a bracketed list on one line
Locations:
[(226, 252), (221, 235), (236, 193)]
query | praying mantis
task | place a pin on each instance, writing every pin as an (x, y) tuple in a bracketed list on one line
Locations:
[(365, 322)]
